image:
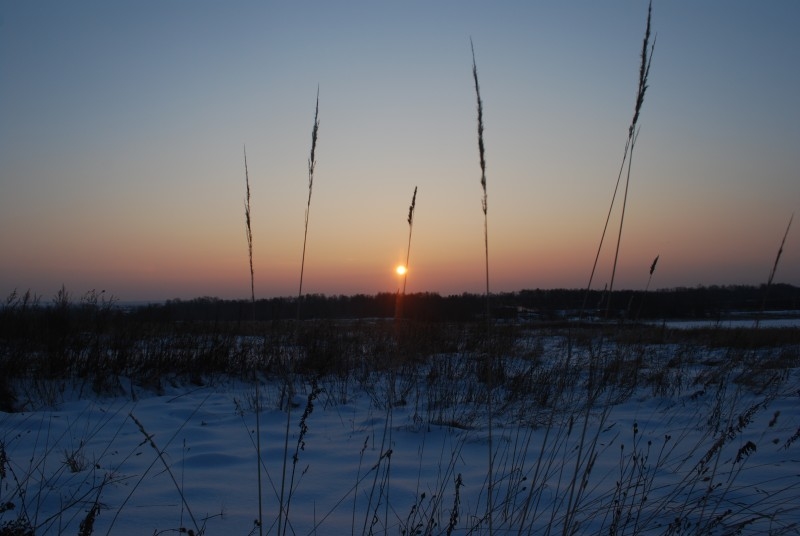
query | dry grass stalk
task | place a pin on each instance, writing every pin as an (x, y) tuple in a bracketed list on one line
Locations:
[(312, 162), (484, 207), (86, 527), (621, 222), (644, 72), (249, 232), (411, 209), (775, 266), (160, 454), (780, 252), (482, 154), (301, 443), (647, 287), (410, 219)]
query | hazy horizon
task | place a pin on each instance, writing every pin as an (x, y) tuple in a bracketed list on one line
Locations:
[(122, 128)]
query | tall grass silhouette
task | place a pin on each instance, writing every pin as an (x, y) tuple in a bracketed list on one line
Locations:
[(588, 442), (540, 459), (249, 233), (627, 156), (411, 209), (401, 296), (647, 286), (774, 268), (488, 358), (312, 162), (283, 518)]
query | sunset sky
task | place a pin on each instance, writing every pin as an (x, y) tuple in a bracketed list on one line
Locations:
[(122, 127)]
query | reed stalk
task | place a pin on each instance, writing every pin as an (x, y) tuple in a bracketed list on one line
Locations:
[(312, 162), (647, 287), (621, 222), (249, 232), (401, 297), (574, 495), (774, 268), (644, 72), (484, 208), (411, 209)]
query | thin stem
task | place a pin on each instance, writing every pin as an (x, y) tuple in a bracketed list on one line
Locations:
[(410, 228), (249, 234), (621, 222), (253, 311), (489, 364), (605, 227), (160, 455), (647, 287), (398, 308), (774, 268), (644, 72), (312, 162)]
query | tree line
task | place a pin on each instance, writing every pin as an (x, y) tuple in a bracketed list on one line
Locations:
[(702, 302)]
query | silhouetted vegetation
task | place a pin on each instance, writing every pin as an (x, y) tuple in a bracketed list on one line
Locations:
[(101, 344), (701, 302)]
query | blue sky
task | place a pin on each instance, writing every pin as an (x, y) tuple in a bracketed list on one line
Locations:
[(122, 127)]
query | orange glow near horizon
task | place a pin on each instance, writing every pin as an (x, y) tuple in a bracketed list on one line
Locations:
[(121, 184)]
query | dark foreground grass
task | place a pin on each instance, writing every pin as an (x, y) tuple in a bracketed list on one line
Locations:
[(104, 350), (555, 390)]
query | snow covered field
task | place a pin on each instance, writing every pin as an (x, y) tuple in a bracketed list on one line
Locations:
[(587, 437)]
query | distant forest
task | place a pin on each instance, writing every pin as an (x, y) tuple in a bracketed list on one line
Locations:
[(543, 305)]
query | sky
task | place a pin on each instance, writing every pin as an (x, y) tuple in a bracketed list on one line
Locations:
[(123, 127)]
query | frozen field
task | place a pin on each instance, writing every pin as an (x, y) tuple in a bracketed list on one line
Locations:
[(676, 439)]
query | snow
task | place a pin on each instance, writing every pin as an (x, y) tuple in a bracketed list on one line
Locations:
[(731, 323), (185, 458)]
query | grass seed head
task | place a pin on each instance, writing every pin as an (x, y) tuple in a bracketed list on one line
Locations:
[(411, 208)]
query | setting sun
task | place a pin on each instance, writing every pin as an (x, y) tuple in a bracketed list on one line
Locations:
[(401, 270)]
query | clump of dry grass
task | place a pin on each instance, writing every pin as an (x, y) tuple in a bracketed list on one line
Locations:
[(86, 527)]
